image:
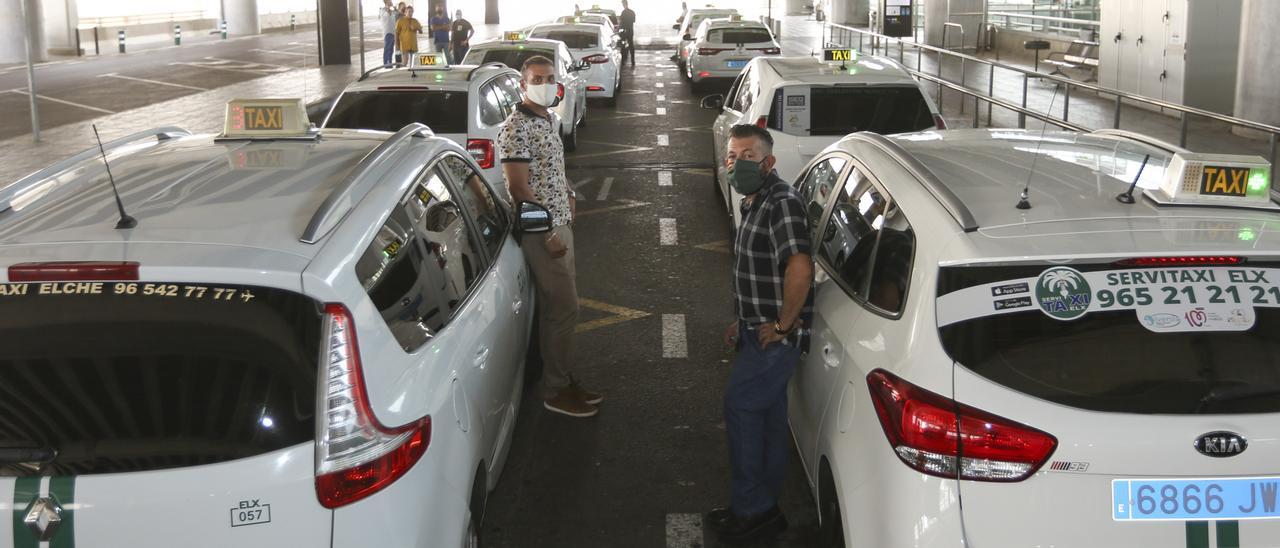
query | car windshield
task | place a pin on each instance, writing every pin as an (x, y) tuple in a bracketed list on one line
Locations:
[(128, 376), (1186, 340), (513, 58), (738, 36), (573, 39), (390, 110), (841, 110)]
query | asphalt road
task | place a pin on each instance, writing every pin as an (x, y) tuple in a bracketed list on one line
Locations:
[(642, 472)]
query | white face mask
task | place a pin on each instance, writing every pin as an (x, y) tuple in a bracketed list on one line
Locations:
[(542, 94)]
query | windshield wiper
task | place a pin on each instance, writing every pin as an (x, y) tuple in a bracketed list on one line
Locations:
[(1236, 392)]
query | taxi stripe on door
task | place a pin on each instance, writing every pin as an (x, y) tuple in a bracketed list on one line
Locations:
[(63, 490), (25, 490), (1228, 534), (1197, 534)]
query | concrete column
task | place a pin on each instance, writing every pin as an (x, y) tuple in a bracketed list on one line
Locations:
[(60, 20), (12, 38), (241, 16), (850, 12), (1256, 78), (333, 32), (491, 12)]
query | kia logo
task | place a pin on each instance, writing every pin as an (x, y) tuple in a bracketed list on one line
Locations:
[(1221, 444)]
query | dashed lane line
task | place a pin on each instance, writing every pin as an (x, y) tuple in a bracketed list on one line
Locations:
[(663, 140), (662, 111), (661, 98), (658, 85), (667, 232), (675, 343), (47, 98), (684, 531), (604, 189), (298, 53), (664, 178), (148, 81)]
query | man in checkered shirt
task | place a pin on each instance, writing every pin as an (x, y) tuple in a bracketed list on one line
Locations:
[(773, 297)]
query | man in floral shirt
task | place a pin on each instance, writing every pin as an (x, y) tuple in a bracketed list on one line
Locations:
[(532, 156)]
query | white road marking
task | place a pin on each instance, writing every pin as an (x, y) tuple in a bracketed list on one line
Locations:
[(662, 98), (658, 74), (658, 85), (684, 531), (284, 52), (604, 188), (47, 98), (158, 82), (667, 232), (664, 178), (662, 111), (581, 183), (675, 343), (663, 140)]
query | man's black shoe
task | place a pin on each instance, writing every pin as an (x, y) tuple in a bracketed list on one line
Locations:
[(762, 526), (719, 518)]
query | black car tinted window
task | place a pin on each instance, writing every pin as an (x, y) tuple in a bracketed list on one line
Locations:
[(390, 110), (572, 39), (514, 58), (885, 110)]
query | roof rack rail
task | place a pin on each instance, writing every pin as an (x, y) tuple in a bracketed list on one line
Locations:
[(8, 193), (370, 72), (489, 64), (948, 199), (357, 184), (1140, 138)]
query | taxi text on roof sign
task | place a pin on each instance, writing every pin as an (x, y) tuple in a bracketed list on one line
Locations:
[(513, 36), (265, 118), (431, 60), (839, 55), (1216, 179)]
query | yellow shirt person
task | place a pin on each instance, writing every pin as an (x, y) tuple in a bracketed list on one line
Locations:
[(407, 30)]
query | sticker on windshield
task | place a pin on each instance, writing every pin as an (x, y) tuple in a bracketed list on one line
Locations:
[(1164, 300)]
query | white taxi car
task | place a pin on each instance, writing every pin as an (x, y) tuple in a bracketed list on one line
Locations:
[(587, 19), (806, 104), (303, 338), (1078, 350), (596, 45), (512, 49), (722, 48), (463, 103), (595, 9), (693, 17)]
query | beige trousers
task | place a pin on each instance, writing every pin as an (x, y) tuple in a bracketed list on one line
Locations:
[(557, 319)]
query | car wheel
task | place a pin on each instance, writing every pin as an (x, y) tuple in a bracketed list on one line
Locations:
[(571, 140), (583, 121), (472, 538), (533, 355), (830, 528)]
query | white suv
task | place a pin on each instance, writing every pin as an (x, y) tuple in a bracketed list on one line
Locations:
[(1093, 366), (723, 47), (596, 45), (312, 338), (806, 105), (572, 107), (466, 104), (693, 17)]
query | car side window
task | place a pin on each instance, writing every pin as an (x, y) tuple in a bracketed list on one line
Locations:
[(891, 271), (847, 246), (510, 86), (491, 220), (818, 186), (730, 97), (746, 92), (492, 106)]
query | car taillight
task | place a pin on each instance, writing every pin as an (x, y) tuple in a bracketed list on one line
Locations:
[(481, 151), (597, 59), (768, 51), (941, 437), (704, 74), (356, 456), (74, 271), (595, 88), (939, 122), (762, 122), (710, 51), (1182, 261)]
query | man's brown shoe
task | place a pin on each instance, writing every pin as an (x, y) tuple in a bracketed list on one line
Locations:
[(567, 402), (585, 395)]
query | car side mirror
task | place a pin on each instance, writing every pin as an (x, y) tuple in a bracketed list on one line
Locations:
[(533, 219), (688, 38), (675, 26), (714, 102), (583, 65)]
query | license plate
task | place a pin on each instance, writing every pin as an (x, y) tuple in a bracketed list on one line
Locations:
[(735, 64), (1195, 499)]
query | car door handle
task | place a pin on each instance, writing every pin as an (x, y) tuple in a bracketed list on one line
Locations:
[(482, 357), (830, 356)]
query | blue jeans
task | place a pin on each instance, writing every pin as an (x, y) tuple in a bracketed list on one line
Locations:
[(443, 48), (755, 413), (388, 47)]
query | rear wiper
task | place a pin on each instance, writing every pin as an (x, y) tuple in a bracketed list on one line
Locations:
[(27, 455), (1236, 392)]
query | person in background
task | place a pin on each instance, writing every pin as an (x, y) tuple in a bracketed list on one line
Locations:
[(407, 30), (387, 17), (440, 30), (628, 20), (461, 37)]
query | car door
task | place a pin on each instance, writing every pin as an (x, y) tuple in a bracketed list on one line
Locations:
[(855, 304), (810, 385), (579, 79)]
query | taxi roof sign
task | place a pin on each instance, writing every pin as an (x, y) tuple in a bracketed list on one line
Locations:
[(1215, 179), (430, 60), (247, 118), (512, 36), (839, 55)]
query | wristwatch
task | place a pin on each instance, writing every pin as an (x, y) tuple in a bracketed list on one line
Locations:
[(777, 328)]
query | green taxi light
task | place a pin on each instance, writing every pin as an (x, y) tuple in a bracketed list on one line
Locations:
[(1247, 235), (1258, 180)]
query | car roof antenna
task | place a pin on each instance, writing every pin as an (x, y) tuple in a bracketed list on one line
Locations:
[(1126, 197), (125, 220), (1024, 201)]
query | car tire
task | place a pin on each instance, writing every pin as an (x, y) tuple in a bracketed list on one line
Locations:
[(830, 526), (533, 355), (583, 121), (471, 539), (571, 140)]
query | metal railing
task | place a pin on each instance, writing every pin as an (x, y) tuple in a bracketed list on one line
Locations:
[(1041, 23), (881, 44)]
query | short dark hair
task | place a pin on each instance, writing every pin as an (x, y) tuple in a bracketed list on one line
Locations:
[(744, 131), (536, 60)]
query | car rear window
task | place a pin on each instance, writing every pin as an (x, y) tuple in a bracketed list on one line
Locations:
[(127, 377), (841, 110), (390, 110), (514, 58), (738, 36), (1186, 340), (572, 39)]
